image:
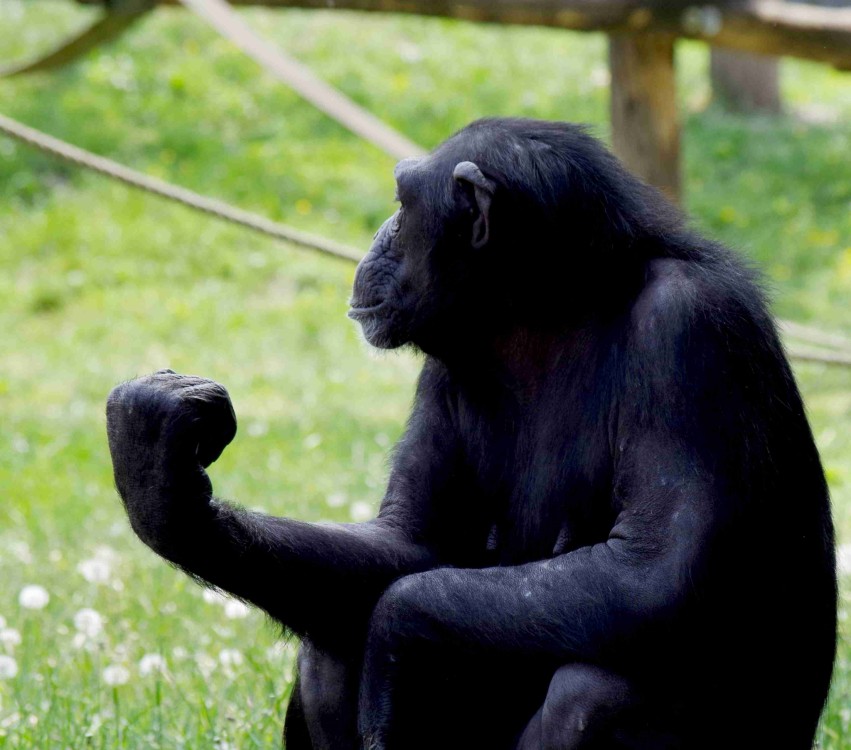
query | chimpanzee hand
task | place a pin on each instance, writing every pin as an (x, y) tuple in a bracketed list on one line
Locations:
[(164, 430)]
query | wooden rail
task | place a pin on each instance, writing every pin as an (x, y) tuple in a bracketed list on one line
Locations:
[(645, 127), (765, 26)]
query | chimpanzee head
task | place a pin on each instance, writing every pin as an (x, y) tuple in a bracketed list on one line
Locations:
[(505, 219)]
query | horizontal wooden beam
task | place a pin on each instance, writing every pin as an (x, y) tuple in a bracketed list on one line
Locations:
[(773, 27)]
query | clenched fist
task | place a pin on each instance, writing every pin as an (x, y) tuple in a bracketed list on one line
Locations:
[(164, 430)]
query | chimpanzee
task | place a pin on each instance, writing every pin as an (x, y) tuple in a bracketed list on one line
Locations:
[(606, 525)]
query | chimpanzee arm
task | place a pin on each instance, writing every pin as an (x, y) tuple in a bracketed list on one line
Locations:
[(679, 455), (319, 579)]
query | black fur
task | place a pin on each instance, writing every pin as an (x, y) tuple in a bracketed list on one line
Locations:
[(606, 525)]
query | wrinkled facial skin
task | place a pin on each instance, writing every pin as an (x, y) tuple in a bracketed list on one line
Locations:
[(394, 293), (377, 295)]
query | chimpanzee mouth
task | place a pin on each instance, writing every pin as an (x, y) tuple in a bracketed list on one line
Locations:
[(359, 312)]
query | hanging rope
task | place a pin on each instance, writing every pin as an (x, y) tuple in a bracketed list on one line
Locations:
[(816, 336), (302, 80), (806, 354), (120, 17), (219, 209)]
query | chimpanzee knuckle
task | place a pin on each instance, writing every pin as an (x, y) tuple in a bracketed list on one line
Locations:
[(208, 391)]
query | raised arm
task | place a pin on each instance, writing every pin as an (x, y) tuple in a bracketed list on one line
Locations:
[(319, 579)]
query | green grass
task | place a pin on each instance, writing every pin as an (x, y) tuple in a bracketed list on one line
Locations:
[(99, 284)]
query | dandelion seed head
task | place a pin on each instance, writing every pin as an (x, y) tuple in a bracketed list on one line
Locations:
[(8, 667), (94, 727), (115, 675), (360, 511), (33, 597), (211, 596), (206, 663), (336, 500), (230, 657), (21, 550), (277, 651), (88, 623), (9, 637), (312, 441), (236, 610), (95, 570), (11, 720), (151, 663)]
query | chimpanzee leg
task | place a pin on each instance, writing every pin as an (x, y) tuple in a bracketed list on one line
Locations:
[(295, 735), (326, 702), (590, 708)]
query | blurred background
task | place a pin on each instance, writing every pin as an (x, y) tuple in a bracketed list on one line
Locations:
[(102, 645)]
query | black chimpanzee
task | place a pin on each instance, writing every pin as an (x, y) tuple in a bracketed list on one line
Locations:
[(606, 525)]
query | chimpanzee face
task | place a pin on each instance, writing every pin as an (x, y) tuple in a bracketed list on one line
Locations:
[(411, 283)]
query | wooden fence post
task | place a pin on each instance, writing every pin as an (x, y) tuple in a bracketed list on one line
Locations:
[(645, 126)]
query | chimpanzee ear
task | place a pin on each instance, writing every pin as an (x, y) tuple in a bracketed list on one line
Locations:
[(470, 177)]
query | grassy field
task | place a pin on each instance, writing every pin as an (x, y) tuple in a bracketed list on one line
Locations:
[(99, 284)]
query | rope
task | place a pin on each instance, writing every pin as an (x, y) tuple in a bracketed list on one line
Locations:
[(219, 209), (820, 355), (105, 29), (256, 223), (816, 336), (353, 117)]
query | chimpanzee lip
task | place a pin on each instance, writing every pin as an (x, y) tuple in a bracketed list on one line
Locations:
[(358, 312)]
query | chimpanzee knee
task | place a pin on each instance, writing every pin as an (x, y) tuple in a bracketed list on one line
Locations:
[(581, 706)]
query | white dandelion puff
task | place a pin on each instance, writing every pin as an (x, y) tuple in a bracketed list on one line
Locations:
[(95, 570), (105, 552), (94, 726), (230, 657), (10, 720), (88, 622), (8, 667), (236, 610), (211, 596), (151, 663), (336, 500), (843, 559), (206, 663), (33, 597), (277, 651), (360, 511), (410, 52), (22, 551), (312, 441), (10, 637), (2, 621), (115, 675)]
